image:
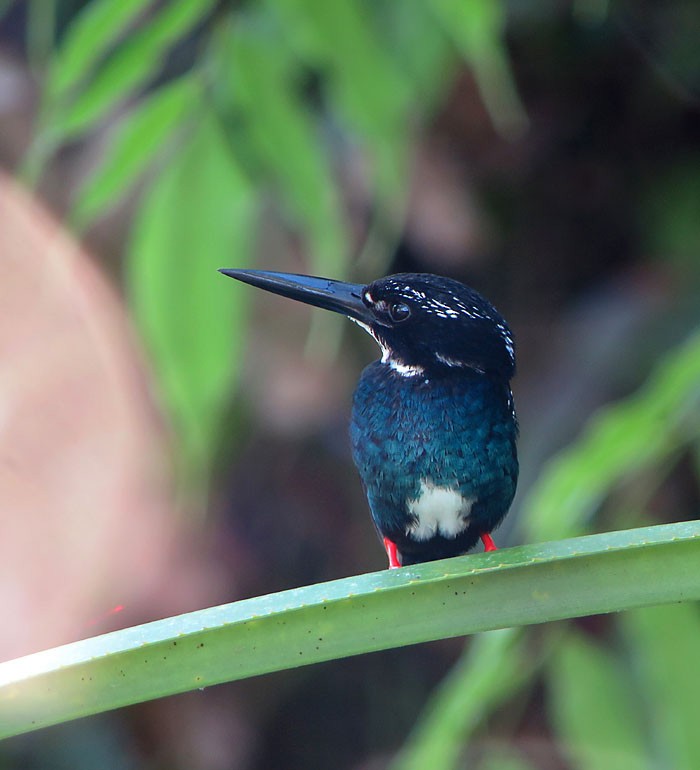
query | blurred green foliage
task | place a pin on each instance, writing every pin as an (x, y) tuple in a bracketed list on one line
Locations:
[(594, 708), (188, 318), (634, 440)]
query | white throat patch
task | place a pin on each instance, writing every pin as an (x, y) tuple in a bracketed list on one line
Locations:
[(438, 510), (403, 369), (399, 367)]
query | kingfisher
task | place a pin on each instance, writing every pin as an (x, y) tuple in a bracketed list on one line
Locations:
[(433, 427)]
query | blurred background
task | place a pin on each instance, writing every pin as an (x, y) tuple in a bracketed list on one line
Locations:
[(171, 440)]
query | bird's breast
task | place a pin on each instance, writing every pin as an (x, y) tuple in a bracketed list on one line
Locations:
[(433, 454)]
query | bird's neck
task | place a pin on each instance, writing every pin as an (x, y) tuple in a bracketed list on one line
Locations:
[(436, 372)]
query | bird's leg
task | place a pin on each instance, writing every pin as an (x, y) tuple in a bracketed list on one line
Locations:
[(487, 540), (392, 553)]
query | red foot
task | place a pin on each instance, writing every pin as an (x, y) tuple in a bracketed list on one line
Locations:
[(392, 553), (489, 545)]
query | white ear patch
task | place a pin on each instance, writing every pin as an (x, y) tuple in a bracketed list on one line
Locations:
[(438, 510)]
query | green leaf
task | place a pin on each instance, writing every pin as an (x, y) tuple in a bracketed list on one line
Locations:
[(197, 217), (421, 50), (620, 440), (517, 586), (281, 131), (365, 85), (137, 141), (593, 708), (493, 667), (130, 67), (90, 37), (664, 644), (339, 37)]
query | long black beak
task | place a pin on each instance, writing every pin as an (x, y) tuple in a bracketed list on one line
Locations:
[(338, 296)]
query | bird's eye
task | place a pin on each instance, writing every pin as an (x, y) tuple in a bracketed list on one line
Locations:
[(399, 311)]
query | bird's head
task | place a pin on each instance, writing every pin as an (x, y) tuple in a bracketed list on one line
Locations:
[(428, 322), (424, 324)]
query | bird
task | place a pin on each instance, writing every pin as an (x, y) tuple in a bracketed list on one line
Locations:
[(433, 427)]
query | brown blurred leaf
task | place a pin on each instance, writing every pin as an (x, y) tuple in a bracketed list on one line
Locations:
[(86, 509)]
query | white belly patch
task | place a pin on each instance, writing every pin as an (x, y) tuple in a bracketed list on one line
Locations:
[(438, 510)]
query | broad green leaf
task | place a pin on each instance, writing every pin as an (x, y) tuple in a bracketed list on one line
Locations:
[(131, 66), (593, 709), (620, 440), (197, 217), (664, 644), (493, 667), (468, 594), (137, 141), (94, 32)]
